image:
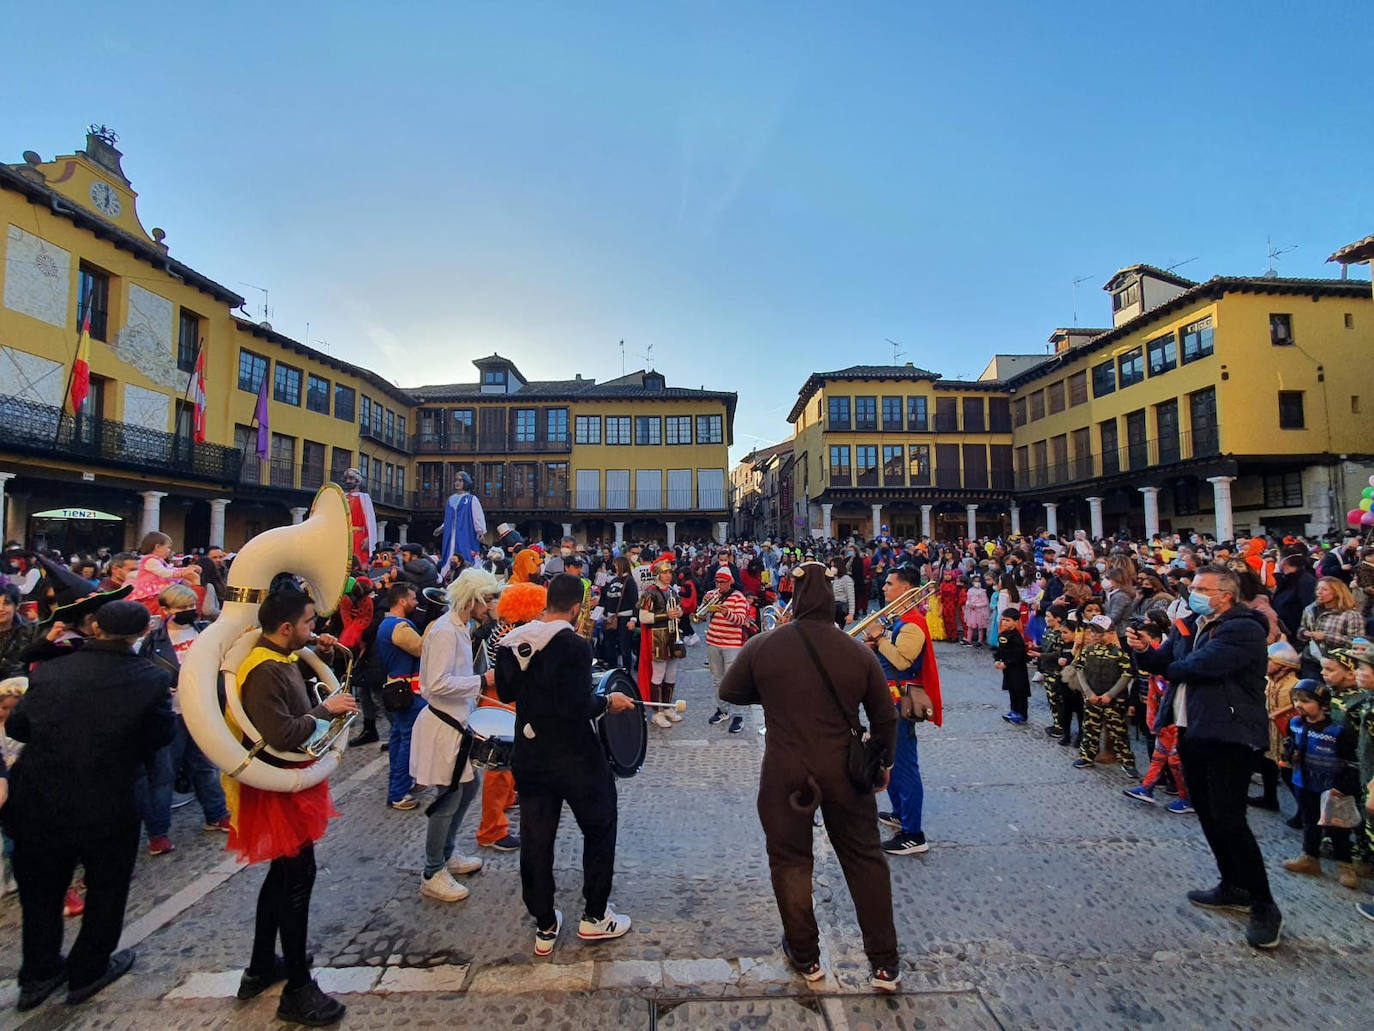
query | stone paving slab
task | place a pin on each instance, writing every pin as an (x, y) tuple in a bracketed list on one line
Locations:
[(733, 1014)]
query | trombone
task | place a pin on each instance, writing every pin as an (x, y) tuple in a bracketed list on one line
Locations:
[(895, 610)]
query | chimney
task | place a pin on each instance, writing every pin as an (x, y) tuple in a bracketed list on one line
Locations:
[(100, 148)]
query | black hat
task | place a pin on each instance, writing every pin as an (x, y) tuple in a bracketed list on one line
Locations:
[(75, 611), (122, 618)]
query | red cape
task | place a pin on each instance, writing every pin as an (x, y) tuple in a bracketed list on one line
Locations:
[(646, 661), (930, 671)]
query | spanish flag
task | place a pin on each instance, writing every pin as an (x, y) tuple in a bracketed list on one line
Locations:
[(198, 390), (81, 368)]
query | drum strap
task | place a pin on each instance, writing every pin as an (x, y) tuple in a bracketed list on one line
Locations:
[(446, 718), (459, 761)]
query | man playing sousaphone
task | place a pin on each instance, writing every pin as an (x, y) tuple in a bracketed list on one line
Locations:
[(660, 647)]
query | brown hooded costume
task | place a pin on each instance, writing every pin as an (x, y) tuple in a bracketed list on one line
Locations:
[(804, 764)]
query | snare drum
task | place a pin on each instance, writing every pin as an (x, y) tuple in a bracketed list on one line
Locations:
[(493, 737), (624, 735)]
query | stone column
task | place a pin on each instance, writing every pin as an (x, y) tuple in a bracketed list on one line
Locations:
[(298, 517), (1221, 496), (1015, 518), (381, 532), (152, 511), (1052, 516), (217, 511), (723, 531), (4, 508), (567, 530), (401, 532), (926, 521), (672, 532), (1095, 517), (1151, 510), (877, 520), (825, 520), (972, 521), (619, 533)]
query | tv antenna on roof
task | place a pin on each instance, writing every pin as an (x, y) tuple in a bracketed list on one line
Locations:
[(622, 357), (265, 314), (1274, 254), (1179, 264), (895, 353), (648, 357), (1077, 280)]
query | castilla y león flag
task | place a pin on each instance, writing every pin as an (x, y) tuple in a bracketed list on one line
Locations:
[(198, 392)]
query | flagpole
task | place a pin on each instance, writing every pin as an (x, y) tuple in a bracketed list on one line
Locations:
[(186, 397)]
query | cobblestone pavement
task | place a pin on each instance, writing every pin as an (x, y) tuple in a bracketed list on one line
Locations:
[(1047, 900)]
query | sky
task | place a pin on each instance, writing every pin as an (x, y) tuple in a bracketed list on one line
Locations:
[(744, 193)]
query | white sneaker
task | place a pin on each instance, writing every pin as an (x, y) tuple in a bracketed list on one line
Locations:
[(464, 864), (443, 887), (672, 715), (544, 941), (612, 925), (661, 720)]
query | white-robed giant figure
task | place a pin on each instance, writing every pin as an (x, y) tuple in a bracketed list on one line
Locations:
[(464, 524), (361, 517)]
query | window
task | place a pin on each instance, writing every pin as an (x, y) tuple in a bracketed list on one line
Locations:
[(973, 415), (400, 484), (388, 478), (892, 413), (587, 429), (365, 414), (390, 426), (1290, 410), (1037, 405), (493, 479), (1131, 368), (460, 426), (1023, 464), (1018, 412), (317, 394), (916, 414), (946, 417), (1162, 353), (999, 464), (93, 297), (710, 429), (1354, 404), (1202, 412), (1082, 453), (653, 381), (525, 419), (976, 466), (865, 413), (1197, 340), (1111, 455), (341, 459), (400, 429), (617, 429), (1166, 427), (286, 385), (312, 465), (188, 340), (999, 414), (1280, 330), (1283, 490), (866, 465), (1078, 388), (839, 464), (918, 464), (1137, 449), (365, 467), (494, 378), (343, 402), (252, 369), (1054, 397), (947, 465), (839, 413), (679, 429), (1104, 379), (556, 483), (556, 425), (893, 474), (1126, 297), (283, 471), (1040, 459), (183, 427), (1349, 320), (246, 444), (648, 429)]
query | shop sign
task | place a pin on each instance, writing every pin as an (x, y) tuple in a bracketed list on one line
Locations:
[(76, 513)]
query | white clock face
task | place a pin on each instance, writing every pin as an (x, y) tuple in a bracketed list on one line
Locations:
[(104, 198)]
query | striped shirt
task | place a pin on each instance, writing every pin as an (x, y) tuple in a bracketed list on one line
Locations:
[(726, 627)]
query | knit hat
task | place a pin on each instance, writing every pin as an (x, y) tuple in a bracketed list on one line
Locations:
[(1284, 654), (724, 574)]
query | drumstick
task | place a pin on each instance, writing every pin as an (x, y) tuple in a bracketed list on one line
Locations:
[(678, 706)]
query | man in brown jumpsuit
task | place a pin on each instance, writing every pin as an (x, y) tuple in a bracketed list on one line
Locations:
[(805, 765)]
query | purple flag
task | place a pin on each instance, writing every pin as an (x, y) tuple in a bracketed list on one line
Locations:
[(260, 415)]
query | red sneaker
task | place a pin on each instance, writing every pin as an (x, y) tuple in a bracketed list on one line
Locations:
[(222, 824), (75, 905), (160, 844)]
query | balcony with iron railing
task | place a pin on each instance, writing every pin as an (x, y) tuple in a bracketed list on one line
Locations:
[(453, 442), (44, 430), (378, 434), (1132, 457)]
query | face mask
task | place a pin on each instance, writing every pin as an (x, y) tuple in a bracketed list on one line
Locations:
[(1200, 603), (1101, 566), (1107, 584), (566, 551), (185, 618)]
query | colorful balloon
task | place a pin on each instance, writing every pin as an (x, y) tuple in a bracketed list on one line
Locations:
[(1371, 481), (1368, 492), (1354, 516), (1366, 505), (1367, 519)]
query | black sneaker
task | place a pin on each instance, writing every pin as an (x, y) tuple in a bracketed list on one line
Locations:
[(37, 992), (252, 985), (886, 979), (1265, 927), (1083, 764), (1066, 741), (718, 717), (309, 1006), (1052, 732), (1260, 802), (1131, 772), (367, 736), (510, 843), (118, 966), (890, 820), (1223, 896), (809, 971), (737, 725), (902, 844)]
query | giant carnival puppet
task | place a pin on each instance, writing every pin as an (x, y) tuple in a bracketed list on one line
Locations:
[(362, 519), (464, 525), (661, 644)]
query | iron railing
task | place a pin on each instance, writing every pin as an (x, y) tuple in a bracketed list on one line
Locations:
[(1131, 457)]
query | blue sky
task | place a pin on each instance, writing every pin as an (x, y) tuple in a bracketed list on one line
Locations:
[(757, 190)]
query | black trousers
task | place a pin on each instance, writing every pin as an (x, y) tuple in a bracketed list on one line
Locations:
[(590, 794), (1218, 776), (44, 862), (284, 911)]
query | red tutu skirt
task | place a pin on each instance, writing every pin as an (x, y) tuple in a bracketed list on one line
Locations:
[(267, 825)]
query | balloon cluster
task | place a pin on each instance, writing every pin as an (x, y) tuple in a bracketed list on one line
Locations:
[(1364, 515)]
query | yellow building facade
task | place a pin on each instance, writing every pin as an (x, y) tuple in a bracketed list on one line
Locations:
[(127, 462)]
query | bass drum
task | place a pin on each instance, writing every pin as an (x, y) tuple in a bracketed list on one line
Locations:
[(624, 735)]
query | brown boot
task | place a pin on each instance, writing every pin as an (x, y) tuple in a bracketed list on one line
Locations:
[(1345, 873), (1304, 864)]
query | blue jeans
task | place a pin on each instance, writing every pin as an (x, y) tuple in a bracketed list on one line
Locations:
[(444, 817), (398, 744), (153, 792), (905, 788), (204, 774)]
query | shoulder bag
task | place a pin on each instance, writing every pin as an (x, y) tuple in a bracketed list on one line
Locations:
[(864, 763)]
